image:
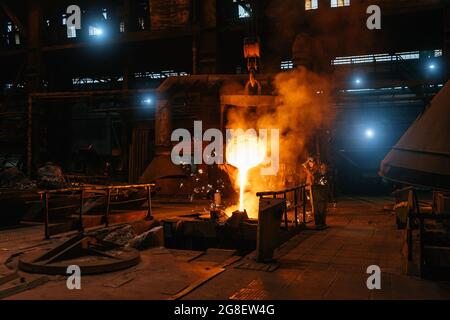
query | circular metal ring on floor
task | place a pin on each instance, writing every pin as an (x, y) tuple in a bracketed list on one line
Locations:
[(122, 258), (90, 254)]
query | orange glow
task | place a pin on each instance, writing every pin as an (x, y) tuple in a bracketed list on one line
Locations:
[(302, 106), (244, 151)]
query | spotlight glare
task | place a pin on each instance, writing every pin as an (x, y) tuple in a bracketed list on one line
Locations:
[(95, 31), (370, 133), (432, 66), (147, 101)]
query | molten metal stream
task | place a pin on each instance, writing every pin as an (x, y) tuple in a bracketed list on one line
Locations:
[(242, 184), (245, 151)]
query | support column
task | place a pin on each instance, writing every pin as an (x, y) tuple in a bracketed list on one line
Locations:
[(33, 72), (30, 136), (206, 42)]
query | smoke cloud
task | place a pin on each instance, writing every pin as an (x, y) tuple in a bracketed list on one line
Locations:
[(303, 105)]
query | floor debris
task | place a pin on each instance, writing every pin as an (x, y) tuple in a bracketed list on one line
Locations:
[(120, 281), (17, 284)]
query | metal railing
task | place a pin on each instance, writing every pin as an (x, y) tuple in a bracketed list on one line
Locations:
[(298, 198), (82, 190)]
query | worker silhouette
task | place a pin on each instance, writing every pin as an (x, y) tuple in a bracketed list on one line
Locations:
[(316, 188)]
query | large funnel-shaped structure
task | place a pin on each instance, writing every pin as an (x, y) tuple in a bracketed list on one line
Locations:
[(422, 155)]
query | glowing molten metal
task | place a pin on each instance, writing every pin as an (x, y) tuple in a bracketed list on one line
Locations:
[(245, 151)]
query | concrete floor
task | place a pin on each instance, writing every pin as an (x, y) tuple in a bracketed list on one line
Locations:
[(328, 264)]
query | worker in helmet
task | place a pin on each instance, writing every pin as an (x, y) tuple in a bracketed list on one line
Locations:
[(312, 172), (317, 185)]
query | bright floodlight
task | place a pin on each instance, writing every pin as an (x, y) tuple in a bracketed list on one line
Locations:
[(358, 81), (95, 31), (370, 133), (432, 66), (147, 101)]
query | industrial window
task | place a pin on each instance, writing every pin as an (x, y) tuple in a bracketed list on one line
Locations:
[(160, 75), (311, 4), (381, 57), (409, 55), (84, 81), (11, 28), (122, 26), (71, 32), (141, 23), (287, 65), (244, 9), (340, 3), (105, 14)]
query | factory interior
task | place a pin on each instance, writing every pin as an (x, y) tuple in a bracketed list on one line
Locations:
[(224, 150)]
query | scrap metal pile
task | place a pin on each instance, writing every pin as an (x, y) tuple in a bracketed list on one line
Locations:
[(49, 176), (22, 198)]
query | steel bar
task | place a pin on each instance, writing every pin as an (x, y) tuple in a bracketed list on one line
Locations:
[(45, 207), (422, 246), (27, 284), (8, 277), (286, 222), (409, 239), (270, 193), (149, 201), (304, 206), (296, 207), (81, 210), (98, 188), (108, 203), (30, 135)]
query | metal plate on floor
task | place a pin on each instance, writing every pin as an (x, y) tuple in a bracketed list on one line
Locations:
[(93, 256), (253, 265), (254, 291)]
